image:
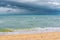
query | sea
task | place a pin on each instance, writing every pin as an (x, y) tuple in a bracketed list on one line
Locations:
[(29, 21)]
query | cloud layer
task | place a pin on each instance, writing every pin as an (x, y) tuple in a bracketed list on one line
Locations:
[(34, 7)]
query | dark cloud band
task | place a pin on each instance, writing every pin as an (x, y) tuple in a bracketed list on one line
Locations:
[(32, 9)]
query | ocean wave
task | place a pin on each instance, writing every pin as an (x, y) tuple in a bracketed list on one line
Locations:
[(32, 30)]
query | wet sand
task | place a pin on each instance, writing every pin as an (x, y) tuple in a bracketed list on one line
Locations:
[(38, 36)]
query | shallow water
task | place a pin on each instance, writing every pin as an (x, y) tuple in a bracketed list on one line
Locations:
[(29, 21)]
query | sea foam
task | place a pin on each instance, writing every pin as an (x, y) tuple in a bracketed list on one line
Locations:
[(33, 30)]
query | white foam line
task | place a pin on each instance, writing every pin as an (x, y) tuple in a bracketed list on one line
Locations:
[(33, 31)]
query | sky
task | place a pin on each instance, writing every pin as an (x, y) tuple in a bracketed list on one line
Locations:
[(30, 7)]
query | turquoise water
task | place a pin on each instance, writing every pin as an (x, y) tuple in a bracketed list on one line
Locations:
[(29, 21)]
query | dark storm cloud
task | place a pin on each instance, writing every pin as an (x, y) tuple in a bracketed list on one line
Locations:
[(31, 8)]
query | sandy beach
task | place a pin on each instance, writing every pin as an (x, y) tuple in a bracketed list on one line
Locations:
[(39, 36), (32, 34)]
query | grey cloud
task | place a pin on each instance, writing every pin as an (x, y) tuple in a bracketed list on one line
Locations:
[(33, 7)]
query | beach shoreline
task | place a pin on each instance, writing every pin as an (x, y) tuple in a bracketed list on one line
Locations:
[(32, 31), (38, 36)]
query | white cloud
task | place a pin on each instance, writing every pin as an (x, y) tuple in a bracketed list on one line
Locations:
[(6, 10), (54, 3), (25, 0)]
